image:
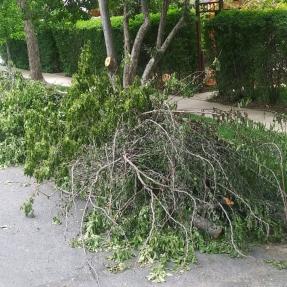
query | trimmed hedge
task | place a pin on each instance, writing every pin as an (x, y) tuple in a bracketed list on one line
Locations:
[(252, 50), (48, 52), (61, 46), (180, 58)]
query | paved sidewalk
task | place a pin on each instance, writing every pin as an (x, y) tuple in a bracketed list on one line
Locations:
[(36, 253), (54, 79), (201, 104)]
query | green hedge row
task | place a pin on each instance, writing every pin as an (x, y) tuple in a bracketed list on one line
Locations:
[(61, 46), (251, 47), (48, 50)]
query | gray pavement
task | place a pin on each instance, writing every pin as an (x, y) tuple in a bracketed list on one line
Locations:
[(201, 104), (36, 253), (54, 79)]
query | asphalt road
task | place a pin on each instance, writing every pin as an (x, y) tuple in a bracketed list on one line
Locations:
[(36, 253)]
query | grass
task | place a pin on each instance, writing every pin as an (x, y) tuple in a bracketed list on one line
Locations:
[(278, 264)]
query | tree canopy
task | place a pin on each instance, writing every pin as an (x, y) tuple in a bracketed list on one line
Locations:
[(11, 24)]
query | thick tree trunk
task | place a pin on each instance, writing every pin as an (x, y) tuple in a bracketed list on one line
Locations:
[(32, 43), (111, 62), (33, 51)]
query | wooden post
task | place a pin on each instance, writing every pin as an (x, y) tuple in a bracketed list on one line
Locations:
[(221, 5), (198, 38)]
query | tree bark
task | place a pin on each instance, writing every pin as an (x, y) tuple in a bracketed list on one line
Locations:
[(127, 47), (138, 43), (162, 23), (32, 42), (108, 34), (9, 59), (205, 225)]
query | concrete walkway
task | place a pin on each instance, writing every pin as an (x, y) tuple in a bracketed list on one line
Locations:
[(53, 79), (36, 253), (201, 104)]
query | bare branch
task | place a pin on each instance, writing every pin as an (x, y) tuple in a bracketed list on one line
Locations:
[(127, 46), (162, 23), (139, 41), (173, 33)]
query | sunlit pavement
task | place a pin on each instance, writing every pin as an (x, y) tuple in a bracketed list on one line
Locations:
[(36, 253), (200, 104)]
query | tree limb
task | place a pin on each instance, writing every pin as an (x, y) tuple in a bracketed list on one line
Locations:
[(205, 225), (127, 46), (139, 41), (108, 34), (162, 23), (127, 41)]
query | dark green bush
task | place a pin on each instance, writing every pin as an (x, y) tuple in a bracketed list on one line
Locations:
[(180, 58), (18, 97), (60, 46), (252, 50), (88, 113), (19, 56), (48, 51)]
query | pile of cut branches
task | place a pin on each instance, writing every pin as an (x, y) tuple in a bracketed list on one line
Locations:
[(170, 186)]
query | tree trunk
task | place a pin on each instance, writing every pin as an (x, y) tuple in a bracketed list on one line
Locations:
[(111, 64), (162, 23), (33, 51), (32, 42), (127, 47), (205, 225), (135, 54), (9, 59)]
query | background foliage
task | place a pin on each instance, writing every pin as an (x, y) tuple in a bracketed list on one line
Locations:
[(251, 49), (60, 46), (11, 26)]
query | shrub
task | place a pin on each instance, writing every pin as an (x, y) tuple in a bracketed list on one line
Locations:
[(18, 97), (61, 45), (252, 50), (90, 111), (48, 51)]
